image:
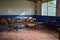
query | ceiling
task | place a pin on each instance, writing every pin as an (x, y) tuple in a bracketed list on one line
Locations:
[(39, 0), (31, 0)]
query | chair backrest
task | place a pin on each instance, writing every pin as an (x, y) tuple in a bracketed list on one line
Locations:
[(3, 20), (10, 20)]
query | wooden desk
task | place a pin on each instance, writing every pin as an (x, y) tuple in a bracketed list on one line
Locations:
[(31, 25)]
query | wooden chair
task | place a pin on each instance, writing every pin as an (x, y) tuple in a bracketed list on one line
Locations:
[(3, 23), (31, 23), (20, 23), (10, 23)]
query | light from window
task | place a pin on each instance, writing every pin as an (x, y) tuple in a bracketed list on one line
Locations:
[(49, 8)]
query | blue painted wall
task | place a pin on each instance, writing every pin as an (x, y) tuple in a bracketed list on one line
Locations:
[(38, 17)]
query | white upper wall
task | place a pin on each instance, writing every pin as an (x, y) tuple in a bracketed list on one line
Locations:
[(15, 7)]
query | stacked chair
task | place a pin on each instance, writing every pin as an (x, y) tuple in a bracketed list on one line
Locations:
[(20, 23), (11, 24), (3, 23), (31, 23)]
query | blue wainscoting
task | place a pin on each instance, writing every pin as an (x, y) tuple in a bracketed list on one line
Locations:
[(14, 16), (50, 23), (38, 17)]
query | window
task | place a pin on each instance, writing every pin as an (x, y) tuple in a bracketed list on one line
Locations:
[(49, 8)]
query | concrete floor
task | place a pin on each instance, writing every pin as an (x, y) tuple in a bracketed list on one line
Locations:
[(29, 34)]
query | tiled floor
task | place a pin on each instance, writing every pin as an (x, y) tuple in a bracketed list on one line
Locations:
[(29, 34)]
